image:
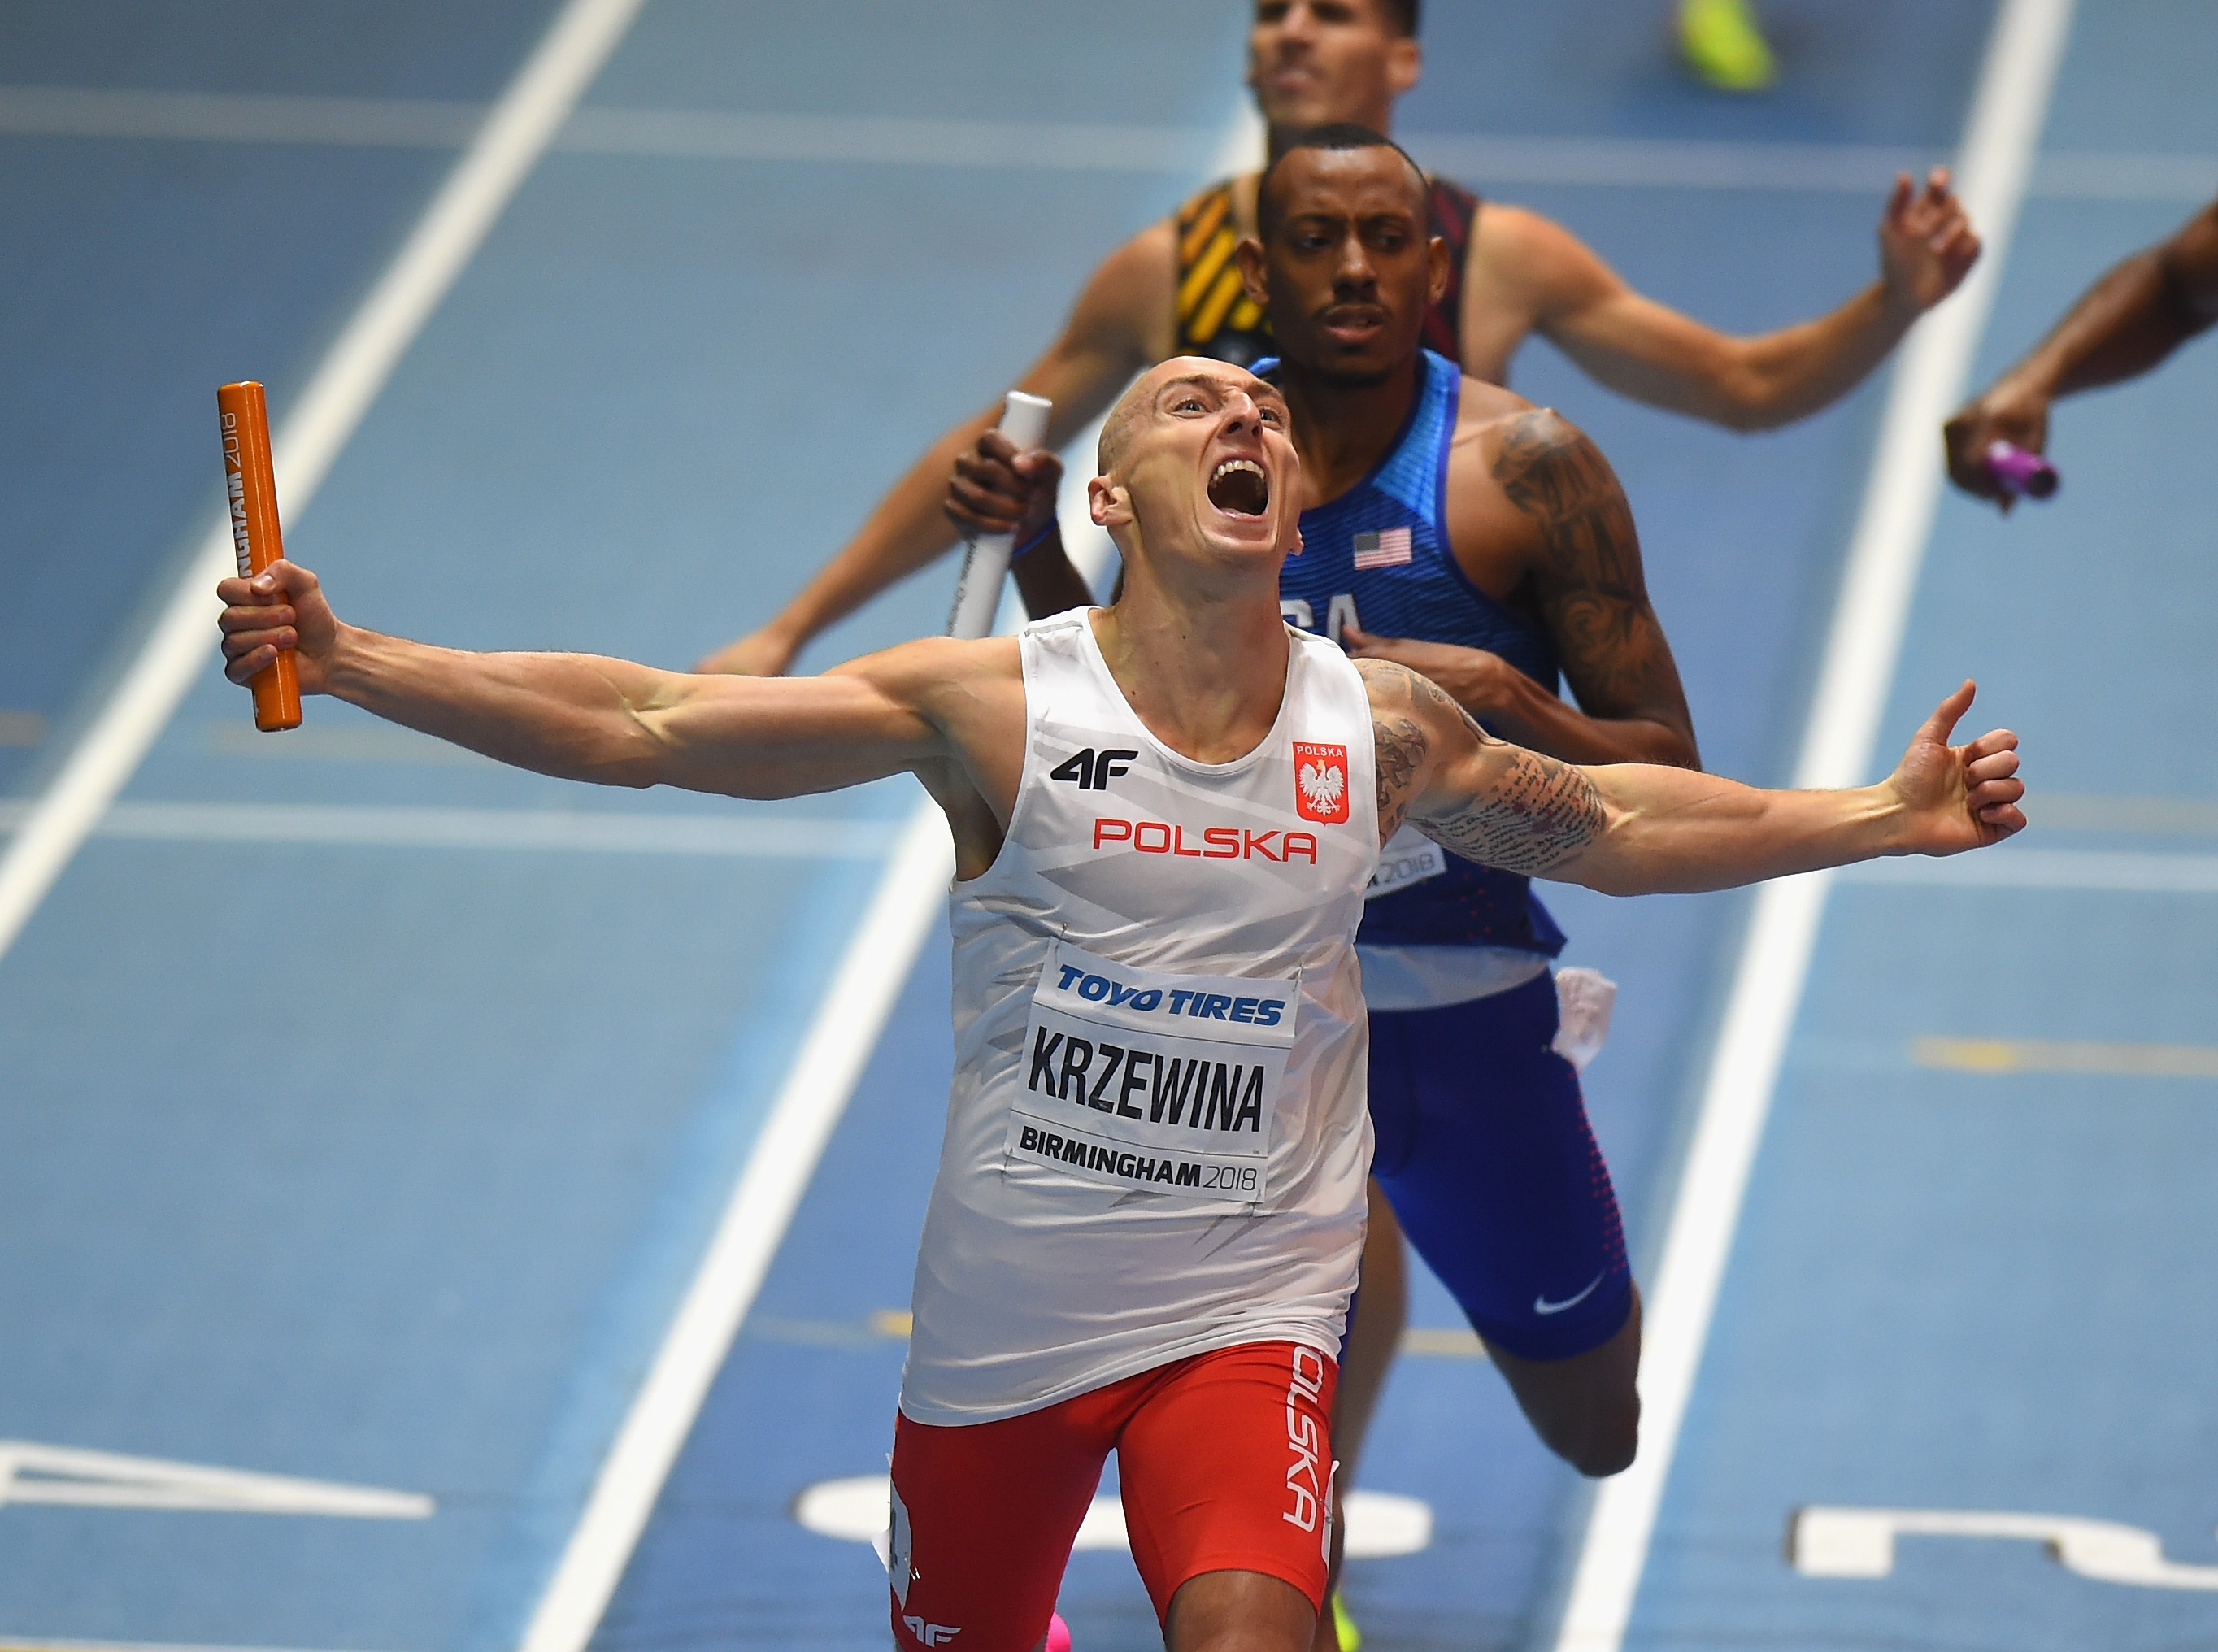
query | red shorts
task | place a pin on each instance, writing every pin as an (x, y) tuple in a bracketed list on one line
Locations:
[(1225, 1462)]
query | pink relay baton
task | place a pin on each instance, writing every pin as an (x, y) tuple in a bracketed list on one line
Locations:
[(2020, 472), (986, 563)]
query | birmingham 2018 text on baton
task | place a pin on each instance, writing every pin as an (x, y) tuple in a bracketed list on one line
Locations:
[(252, 484)]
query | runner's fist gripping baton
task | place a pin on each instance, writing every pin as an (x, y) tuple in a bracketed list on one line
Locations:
[(978, 592), (251, 485)]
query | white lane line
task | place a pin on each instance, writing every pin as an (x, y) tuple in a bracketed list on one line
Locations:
[(721, 135), (34, 1643), (2008, 109), (1997, 1056), (402, 826), (2068, 175), (512, 137), (744, 135), (838, 1043), (1850, 169), (68, 1476), (1649, 163), (2048, 868), (1830, 1542), (237, 117), (1379, 1525)]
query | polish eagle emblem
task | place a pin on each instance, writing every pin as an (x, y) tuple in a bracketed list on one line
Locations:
[(1320, 782), (1322, 786)]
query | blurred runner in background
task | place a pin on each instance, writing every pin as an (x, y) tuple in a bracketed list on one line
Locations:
[(1722, 44), (1173, 289), (2124, 324)]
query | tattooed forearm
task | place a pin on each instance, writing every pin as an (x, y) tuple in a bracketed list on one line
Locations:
[(1539, 815)]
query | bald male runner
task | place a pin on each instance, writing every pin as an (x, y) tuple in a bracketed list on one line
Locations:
[(1149, 1202), (2127, 322), (1494, 535), (1173, 289)]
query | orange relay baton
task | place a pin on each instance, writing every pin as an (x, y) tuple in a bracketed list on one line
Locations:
[(252, 484)]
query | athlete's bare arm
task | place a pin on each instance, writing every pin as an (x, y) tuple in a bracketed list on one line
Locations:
[(1121, 323), (1647, 829), (2136, 316), (1537, 518), (952, 713), (1526, 274)]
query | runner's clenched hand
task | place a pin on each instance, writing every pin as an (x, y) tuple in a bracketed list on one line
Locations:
[(997, 489)]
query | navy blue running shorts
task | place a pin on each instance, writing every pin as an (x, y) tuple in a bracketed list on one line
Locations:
[(1484, 1149)]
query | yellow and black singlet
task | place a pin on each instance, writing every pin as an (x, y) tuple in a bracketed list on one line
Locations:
[(1216, 316)]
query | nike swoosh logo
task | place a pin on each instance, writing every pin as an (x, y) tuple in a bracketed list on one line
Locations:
[(1542, 1305)]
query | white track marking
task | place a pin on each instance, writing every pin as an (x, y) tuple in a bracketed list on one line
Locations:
[(2008, 108), (237, 117), (2014, 868), (2122, 812), (577, 831), (740, 135), (1824, 1542), (1997, 1057), (513, 135), (832, 1054), (1380, 1524), (63, 1476), (1653, 163), (28, 1643)]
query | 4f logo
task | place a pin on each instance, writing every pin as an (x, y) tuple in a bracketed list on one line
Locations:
[(931, 1634), (1091, 771), (1321, 782)]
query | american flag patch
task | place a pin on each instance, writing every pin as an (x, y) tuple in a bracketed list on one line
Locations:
[(1387, 548)]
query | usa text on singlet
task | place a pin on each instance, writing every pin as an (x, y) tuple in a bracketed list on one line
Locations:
[(1156, 1140), (1378, 557)]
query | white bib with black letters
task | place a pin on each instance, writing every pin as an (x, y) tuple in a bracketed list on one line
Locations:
[(1156, 1140), (1140, 1078)]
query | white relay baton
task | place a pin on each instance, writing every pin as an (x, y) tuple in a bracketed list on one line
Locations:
[(978, 592)]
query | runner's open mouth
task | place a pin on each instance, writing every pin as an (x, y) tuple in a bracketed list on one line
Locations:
[(1239, 487)]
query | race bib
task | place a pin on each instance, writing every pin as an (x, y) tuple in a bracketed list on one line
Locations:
[(1141, 1079), (1408, 857)]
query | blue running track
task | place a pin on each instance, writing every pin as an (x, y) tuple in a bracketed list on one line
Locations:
[(399, 1184)]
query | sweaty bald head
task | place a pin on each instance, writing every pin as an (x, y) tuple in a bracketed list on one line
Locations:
[(1133, 408)]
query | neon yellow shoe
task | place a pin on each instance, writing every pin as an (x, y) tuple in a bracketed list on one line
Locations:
[(1343, 1625), (1724, 47)]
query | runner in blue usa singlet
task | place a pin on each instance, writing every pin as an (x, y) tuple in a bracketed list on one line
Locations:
[(1483, 1141)]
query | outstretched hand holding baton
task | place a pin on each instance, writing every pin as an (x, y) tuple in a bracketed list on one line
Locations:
[(251, 484)]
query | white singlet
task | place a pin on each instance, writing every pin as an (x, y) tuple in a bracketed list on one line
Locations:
[(1157, 1138)]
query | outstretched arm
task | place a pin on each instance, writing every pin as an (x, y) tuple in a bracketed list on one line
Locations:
[(1119, 319), (584, 717), (1643, 829), (1654, 354), (2136, 316)]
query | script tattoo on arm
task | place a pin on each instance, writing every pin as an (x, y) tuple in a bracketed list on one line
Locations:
[(1534, 814), (1593, 595)]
